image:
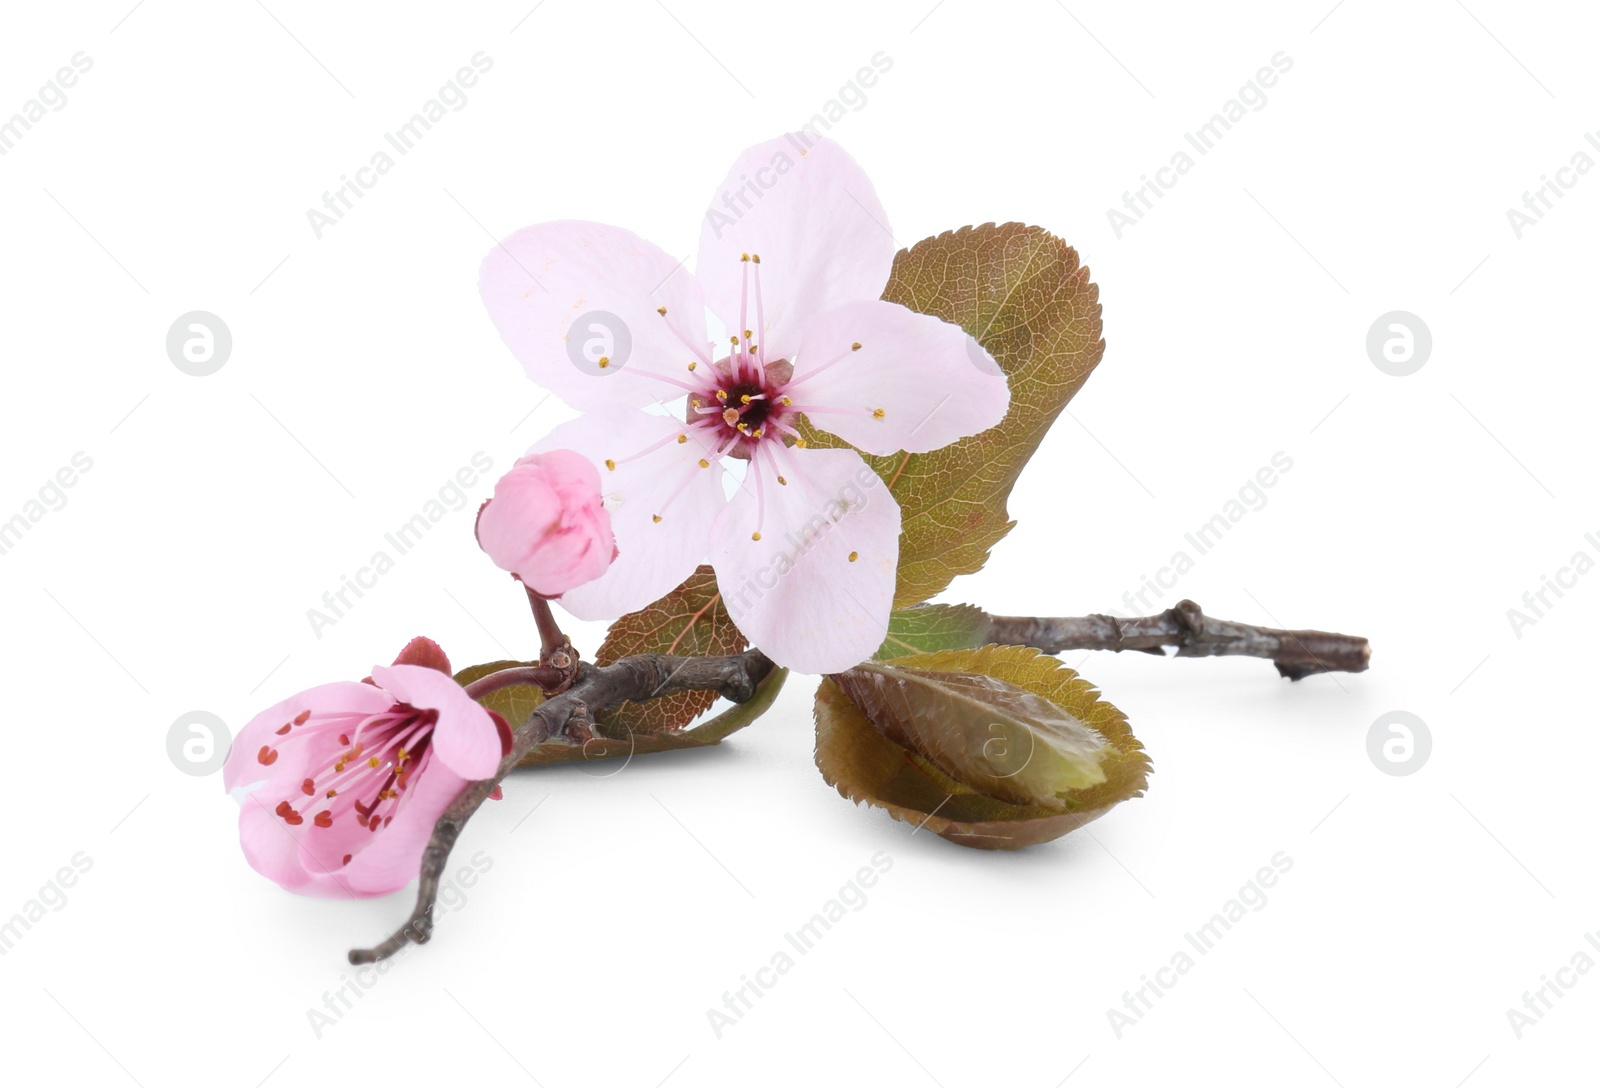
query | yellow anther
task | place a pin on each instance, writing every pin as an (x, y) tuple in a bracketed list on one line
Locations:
[(704, 463), (744, 256), (695, 400), (734, 340), (748, 334), (722, 394), (759, 432), (744, 398), (605, 361), (755, 536), (662, 310), (854, 556), (756, 257), (610, 464), (744, 428), (372, 761), (785, 401), (682, 438), (656, 518), (781, 480), (691, 367), (856, 346), (877, 413)]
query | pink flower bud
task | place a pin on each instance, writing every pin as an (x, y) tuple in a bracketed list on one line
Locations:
[(547, 524)]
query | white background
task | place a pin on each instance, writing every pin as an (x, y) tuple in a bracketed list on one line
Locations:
[(364, 373)]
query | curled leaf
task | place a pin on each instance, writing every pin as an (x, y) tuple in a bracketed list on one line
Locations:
[(985, 806)]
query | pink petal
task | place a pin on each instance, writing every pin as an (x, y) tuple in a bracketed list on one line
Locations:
[(559, 290), (796, 593), (807, 209), (270, 845), (465, 738), (394, 856), (934, 383), (344, 696), (569, 473), (512, 524), (653, 557)]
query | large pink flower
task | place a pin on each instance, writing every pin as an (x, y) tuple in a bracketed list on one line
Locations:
[(353, 776), (794, 255)]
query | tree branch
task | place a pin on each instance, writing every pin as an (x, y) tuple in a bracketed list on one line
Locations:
[(646, 676), (1297, 654)]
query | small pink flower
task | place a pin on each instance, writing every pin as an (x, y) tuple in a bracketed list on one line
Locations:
[(351, 777), (547, 523), (794, 255)]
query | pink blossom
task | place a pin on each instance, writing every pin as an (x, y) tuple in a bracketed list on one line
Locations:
[(794, 256), (547, 524), (351, 777)]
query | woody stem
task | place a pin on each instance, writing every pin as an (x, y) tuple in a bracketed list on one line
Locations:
[(551, 637), (640, 678), (1297, 654)]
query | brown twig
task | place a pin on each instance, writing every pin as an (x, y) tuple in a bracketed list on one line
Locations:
[(646, 676), (1297, 654)]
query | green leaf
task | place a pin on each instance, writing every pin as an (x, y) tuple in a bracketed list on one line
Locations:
[(866, 765), (513, 703), (690, 621), (929, 628), (1021, 292), (707, 733)]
